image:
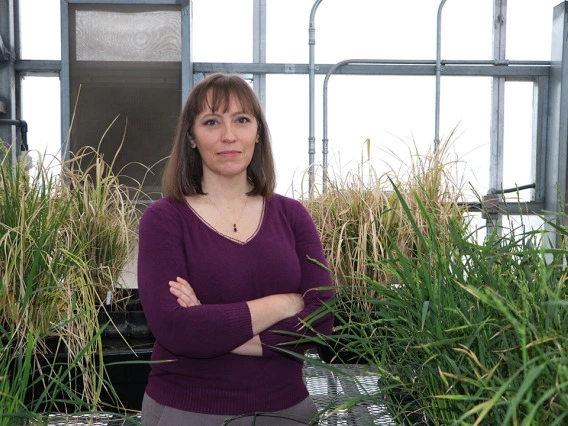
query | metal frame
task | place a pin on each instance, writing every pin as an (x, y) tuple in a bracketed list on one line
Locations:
[(438, 73), (477, 68), (312, 69), (497, 114), (549, 141), (555, 185), (8, 55), (259, 48)]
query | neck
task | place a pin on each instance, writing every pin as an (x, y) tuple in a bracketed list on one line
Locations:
[(227, 207), (226, 190)]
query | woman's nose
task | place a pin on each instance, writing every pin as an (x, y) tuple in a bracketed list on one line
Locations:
[(229, 133)]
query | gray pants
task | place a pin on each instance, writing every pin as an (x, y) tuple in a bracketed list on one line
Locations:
[(155, 414)]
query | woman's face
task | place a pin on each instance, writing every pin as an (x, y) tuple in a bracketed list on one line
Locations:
[(225, 140)]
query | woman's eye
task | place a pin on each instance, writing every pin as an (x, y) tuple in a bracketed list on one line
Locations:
[(210, 122), (243, 119)]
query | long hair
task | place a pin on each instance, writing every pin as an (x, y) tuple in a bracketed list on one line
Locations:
[(183, 173)]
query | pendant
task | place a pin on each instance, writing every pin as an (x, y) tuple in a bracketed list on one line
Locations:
[(234, 227)]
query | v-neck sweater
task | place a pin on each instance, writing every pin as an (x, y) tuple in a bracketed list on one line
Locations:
[(195, 369)]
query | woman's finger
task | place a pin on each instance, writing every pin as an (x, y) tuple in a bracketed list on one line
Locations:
[(185, 300), (184, 292), (186, 288)]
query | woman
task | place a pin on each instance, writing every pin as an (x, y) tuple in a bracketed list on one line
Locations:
[(224, 265)]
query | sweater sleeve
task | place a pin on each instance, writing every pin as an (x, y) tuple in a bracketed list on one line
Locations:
[(203, 331), (316, 287)]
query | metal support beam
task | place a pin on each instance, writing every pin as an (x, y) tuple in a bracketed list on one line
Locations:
[(8, 76), (557, 153), (259, 48), (497, 110), (511, 70), (540, 138), (65, 88), (187, 81), (312, 96), (23, 130)]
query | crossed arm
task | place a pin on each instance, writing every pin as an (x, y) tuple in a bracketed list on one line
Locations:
[(264, 312), (221, 327)]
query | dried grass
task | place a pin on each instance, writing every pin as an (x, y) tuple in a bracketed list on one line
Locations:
[(362, 220)]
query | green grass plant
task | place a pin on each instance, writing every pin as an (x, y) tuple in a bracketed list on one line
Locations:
[(15, 373), (461, 331), (64, 241), (466, 332)]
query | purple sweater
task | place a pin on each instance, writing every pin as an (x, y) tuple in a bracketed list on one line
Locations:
[(201, 374)]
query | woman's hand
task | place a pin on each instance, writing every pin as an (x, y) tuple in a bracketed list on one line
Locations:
[(181, 289), (265, 311)]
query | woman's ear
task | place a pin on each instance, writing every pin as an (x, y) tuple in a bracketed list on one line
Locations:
[(191, 141)]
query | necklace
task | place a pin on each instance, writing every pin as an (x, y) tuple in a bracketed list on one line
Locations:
[(234, 224)]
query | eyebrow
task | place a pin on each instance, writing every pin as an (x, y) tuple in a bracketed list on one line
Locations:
[(217, 113)]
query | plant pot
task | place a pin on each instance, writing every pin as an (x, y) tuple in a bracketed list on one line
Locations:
[(403, 404), (126, 351), (335, 351)]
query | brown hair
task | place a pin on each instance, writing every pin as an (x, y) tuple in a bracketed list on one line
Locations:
[(184, 170)]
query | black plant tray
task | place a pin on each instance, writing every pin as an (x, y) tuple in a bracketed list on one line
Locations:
[(335, 350), (127, 349)]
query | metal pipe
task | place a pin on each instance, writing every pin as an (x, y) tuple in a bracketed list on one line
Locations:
[(438, 74), (312, 87), (259, 48), (519, 188), (23, 129)]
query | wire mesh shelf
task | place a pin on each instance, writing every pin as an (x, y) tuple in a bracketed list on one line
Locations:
[(330, 386)]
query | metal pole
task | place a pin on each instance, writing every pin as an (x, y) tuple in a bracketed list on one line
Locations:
[(312, 88), (259, 48), (65, 85), (497, 112), (438, 75), (186, 50), (23, 125), (8, 75)]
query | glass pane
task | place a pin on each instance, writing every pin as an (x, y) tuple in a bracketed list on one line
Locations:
[(395, 113), (287, 116), (525, 223), (287, 31), (378, 29), (465, 118), (127, 33), (529, 29), (41, 111), (518, 169), (467, 30), (40, 29), (222, 30), (373, 29)]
